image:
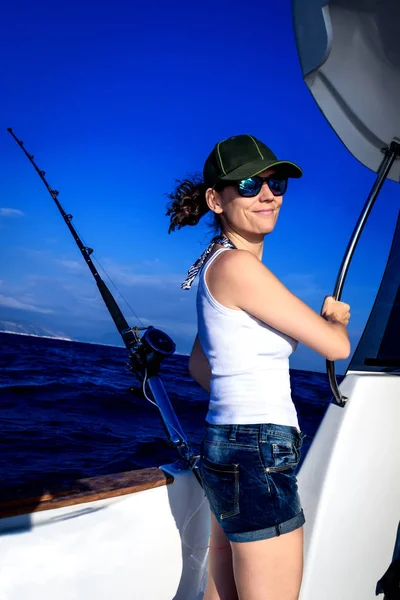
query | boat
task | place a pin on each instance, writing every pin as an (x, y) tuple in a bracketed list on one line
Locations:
[(349, 483), (144, 534)]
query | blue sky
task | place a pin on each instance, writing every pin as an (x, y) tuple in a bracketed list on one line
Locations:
[(116, 101)]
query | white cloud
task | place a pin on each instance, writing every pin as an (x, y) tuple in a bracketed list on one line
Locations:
[(142, 279), (11, 212), (33, 253), (14, 303), (120, 274), (71, 265), (151, 263), (188, 329), (124, 275), (304, 285)]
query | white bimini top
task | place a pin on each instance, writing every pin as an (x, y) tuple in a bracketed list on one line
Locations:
[(249, 363)]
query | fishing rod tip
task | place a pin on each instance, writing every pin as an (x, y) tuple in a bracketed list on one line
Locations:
[(9, 129)]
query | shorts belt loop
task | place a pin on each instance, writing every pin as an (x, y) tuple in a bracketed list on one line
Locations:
[(232, 433), (263, 435)]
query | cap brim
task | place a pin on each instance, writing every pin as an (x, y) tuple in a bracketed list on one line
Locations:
[(283, 167)]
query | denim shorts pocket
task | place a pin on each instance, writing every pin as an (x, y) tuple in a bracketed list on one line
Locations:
[(221, 485), (285, 455)]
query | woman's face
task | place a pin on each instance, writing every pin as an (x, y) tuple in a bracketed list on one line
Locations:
[(254, 217)]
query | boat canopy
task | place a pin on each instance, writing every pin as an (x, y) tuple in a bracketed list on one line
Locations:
[(349, 52)]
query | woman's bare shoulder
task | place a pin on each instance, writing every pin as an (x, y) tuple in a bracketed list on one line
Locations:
[(235, 265), (224, 277)]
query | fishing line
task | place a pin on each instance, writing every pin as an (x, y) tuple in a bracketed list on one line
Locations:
[(146, 351), (185, 526), (119, 292), (96, 260), (155, 403)]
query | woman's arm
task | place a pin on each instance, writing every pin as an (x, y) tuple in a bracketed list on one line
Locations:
[(199, 367), (239, 280)]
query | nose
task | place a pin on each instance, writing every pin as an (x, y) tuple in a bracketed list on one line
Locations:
[(265, 193)]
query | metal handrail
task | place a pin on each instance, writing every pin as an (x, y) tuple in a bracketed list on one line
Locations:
[(391, 154)]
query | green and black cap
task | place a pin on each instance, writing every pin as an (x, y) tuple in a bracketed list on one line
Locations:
[(243, 156)]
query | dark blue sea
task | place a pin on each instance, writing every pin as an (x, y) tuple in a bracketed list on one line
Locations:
[(67, 411)]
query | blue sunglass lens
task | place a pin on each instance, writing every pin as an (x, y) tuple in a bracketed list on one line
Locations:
[(250, 187), (277, 186)]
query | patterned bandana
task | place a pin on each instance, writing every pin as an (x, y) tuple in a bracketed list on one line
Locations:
[(198, 265)]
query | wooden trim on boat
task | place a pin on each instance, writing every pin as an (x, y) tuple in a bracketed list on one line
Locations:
[(23, 500)]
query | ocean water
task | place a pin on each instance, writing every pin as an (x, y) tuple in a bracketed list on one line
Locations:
[(66, 411)]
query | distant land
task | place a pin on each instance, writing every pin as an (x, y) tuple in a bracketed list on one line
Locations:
[(42, 332), (11, 322), (93, 333), (30, 329)]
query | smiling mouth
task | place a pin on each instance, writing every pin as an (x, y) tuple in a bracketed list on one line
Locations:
[(267, 211)]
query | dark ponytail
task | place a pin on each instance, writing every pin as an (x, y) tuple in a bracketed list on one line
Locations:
[(188, 202)]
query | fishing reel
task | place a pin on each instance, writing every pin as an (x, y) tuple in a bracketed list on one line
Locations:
[(152, 347), (157, 346)]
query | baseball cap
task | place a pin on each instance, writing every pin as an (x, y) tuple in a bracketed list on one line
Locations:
[(243, 156)]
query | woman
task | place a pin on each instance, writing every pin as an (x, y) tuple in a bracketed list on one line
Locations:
[(248, 325)]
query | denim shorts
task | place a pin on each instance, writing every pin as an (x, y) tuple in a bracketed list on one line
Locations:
[(249, 477)]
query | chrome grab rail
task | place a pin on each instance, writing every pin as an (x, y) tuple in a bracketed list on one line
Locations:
[(391, 154)]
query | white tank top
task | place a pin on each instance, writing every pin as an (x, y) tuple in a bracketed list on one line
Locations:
[(249, 363)]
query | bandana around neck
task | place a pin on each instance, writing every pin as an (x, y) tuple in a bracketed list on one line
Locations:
[(198, 265)]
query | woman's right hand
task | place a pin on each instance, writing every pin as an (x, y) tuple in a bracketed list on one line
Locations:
[(334, 310)]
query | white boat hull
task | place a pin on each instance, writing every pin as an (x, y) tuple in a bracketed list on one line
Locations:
[(152, 545), (350, 489), (143, 545)]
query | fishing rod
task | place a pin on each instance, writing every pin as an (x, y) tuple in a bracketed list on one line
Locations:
[(146, 351)]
